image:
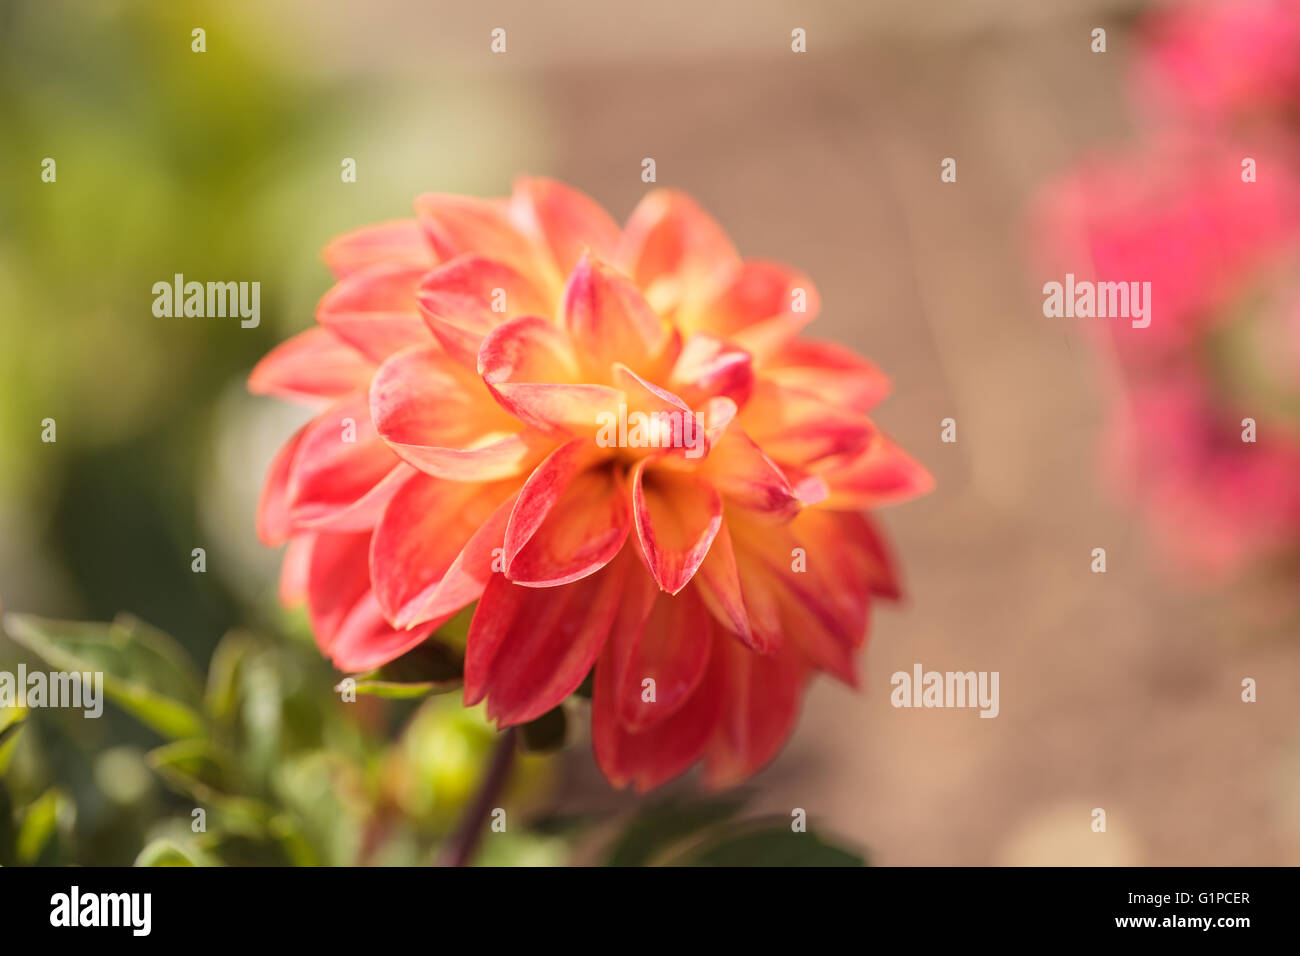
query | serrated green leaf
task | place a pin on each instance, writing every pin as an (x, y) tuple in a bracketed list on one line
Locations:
[(395, 690), (145, 672), (430, 668), (657, 829), (768, 844)]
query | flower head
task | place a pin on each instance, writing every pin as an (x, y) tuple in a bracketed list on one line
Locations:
[(614, 441)]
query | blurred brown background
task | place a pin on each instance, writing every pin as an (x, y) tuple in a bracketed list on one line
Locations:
[(1119, 691)]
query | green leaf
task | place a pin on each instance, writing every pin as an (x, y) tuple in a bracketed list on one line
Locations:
[(321, 790), (11, 722), (221, 696), (11, 718), (287, 830), (145, 671), (167, 852), (37, 826), (429, 668), (768, 844), (192, 767), (200, 770), (656, 830)]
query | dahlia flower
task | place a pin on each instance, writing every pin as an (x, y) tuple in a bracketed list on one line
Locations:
[(615, 442)]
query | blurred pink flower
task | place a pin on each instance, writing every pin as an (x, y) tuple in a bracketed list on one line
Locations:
[(1177, 214), (1212, 64), (1215, 502), (1206, 208)]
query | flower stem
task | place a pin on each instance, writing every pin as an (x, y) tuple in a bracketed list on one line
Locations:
[(460, 850)]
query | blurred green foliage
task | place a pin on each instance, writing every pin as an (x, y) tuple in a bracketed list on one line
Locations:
[(222, 165), (261, 763)]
